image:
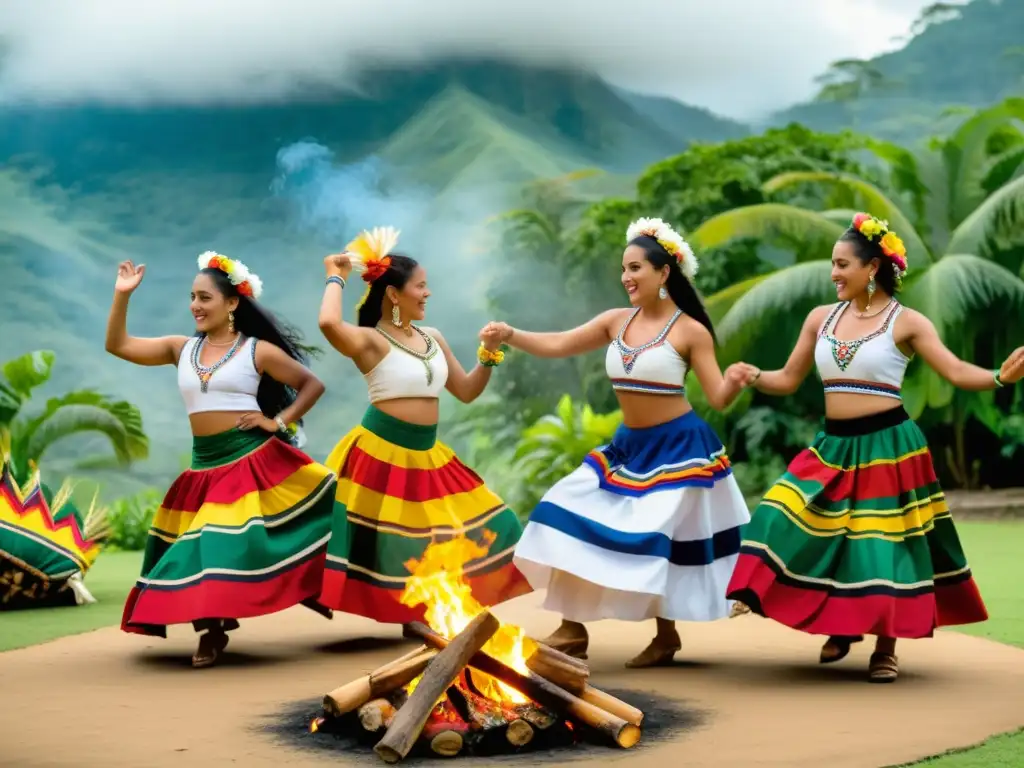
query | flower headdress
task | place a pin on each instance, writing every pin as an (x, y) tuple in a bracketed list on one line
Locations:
[(892, 247), (668, 239), (247, 283), (371, 248)]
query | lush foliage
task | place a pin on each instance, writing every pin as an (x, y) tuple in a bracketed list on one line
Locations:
[(77, 412), (129, 519), (764, 212)]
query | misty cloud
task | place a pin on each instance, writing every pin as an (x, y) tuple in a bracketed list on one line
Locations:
[(734, 56)]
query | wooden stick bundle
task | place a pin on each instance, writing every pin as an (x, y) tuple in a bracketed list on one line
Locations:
[(441, 672), (543, 691)]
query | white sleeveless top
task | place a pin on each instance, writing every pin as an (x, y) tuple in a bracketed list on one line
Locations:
[(231, 387), (654, 368), (404, 372), (870, 365)]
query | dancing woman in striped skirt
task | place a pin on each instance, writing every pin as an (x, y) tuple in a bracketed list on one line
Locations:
[(244, 531), (649, 526), (856, 538), (399, 489)]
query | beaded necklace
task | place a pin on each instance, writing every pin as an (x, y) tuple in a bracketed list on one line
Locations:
[(843, 350), (630, 354), (424, 357), (206, 372)]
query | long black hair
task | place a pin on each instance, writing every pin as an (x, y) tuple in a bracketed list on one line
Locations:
[(256, 322), (866, 250), (371, 307), (680, 289)]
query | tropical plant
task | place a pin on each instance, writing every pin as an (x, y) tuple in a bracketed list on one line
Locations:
[(556, 444), (963, 242), (77, 412), (130, 518)]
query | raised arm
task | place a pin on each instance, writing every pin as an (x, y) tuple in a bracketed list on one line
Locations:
[(464, 387), (786, 380), (719, 390), (592, 335), (350, 340), (922, 337), (162, 350)]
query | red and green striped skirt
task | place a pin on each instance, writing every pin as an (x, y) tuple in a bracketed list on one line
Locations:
[(856, 538), (241, 533), (399, 490)]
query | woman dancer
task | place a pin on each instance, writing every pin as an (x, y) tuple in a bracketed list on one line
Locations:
[(244, 531), (648, 526), (399, 488), (856, 537)]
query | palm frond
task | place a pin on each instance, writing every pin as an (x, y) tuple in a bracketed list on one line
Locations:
[(120, 422), (905, 176), (1004, 168), (953, 293), (763, 323), (966, 154), (807, 233), (997, 223), (875, 201)]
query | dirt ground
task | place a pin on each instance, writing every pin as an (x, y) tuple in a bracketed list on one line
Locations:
[(109, 699)]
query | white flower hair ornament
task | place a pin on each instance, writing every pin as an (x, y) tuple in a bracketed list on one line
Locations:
[(668, 239), (247, 283)]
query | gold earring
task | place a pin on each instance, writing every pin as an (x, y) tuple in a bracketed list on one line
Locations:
[(871, 291), (231, 321), (396, 317)]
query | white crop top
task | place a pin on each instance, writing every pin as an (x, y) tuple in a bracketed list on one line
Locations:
[(870, 365), (404, 372), (654, 368), (231, 386)]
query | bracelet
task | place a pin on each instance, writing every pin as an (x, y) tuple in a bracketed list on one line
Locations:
[(289, 429), (336, 279), (995, 375), (490, 359)]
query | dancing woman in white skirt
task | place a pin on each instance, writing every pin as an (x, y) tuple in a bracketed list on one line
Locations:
[(649, 526)]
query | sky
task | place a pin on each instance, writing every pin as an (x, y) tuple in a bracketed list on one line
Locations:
[(740, 58)]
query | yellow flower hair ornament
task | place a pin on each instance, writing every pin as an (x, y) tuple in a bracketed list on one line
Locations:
[(371, 248), (247, 283), (668, 239), (892, 246)]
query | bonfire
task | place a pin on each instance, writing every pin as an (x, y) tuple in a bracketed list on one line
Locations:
[(475, 686)]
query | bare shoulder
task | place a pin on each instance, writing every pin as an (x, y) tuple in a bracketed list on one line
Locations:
[(691, 329), (817, 316), (910, 321), (431, 332), (614, 318)]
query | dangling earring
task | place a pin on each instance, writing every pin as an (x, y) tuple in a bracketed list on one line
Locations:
[(231, 321), (396, 318), (662, 293), (871, 291)]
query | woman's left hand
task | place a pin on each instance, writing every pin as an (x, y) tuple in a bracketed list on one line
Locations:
[(256, 421), (1012, 369)]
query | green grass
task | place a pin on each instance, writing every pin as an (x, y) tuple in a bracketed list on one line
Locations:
[(992, 549), (109, 581)]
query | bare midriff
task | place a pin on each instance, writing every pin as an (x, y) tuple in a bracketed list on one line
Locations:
[(641, 410), (214, 422), (414, 410), (849, 405)]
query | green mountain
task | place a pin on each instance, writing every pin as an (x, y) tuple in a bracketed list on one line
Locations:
[(435, 151), (970, 57)]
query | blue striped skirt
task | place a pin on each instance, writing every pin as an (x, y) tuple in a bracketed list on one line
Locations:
[(648, 526)]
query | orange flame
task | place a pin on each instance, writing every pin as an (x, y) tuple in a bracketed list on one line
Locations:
[(437, 583)]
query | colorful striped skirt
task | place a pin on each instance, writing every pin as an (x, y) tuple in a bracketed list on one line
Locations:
[(856, 538), (242, 533), (648, 526), (399, 490)]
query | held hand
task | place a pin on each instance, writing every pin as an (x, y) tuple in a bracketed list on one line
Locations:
[(1012, 369), (255, 420), (338, 265), (129, 276), (742, 374), (501, 332)]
